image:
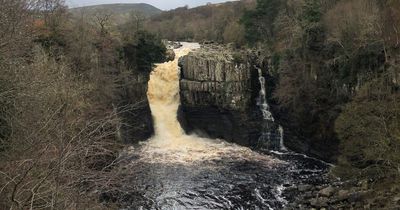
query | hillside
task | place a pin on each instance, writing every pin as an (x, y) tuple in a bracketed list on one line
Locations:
[(120, 12), (216, 22)]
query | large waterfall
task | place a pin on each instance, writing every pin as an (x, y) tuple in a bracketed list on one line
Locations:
[(170, 143)]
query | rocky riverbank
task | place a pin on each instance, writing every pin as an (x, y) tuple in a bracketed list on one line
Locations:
[(364, 194)]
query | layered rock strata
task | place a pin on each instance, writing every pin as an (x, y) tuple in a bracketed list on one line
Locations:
[(219, 91)]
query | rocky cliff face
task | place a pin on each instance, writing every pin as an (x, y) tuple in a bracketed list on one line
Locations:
[(219, 96), (135, 114), (219, 90)]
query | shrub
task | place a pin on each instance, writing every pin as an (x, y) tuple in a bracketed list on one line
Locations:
[(369, 130), (5, 112)]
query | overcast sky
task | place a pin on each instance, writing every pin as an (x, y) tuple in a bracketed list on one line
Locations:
[(162, 4)]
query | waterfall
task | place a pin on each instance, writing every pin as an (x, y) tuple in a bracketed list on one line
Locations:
[(281, 142), (262, 100), (272, 136), (170, 143), (163, 95)]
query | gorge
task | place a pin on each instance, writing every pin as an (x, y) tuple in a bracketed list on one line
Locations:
[(174, 170), (255, 104)]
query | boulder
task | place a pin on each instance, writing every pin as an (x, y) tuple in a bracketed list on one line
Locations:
[(170, 55), (319, 202), (358, 196), (343, 195), (396, 199), (304, 188), (327, 192)]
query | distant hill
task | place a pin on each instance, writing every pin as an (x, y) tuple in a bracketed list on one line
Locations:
[(211, 22), (120, 12)]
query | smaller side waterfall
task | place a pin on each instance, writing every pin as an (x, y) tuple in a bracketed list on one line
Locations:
[(272, 136), (282, 142), (262, 100)]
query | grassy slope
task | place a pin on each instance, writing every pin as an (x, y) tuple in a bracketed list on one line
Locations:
[(121, 12)]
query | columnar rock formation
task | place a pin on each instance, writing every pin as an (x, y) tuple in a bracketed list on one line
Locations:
[(219, 91), (218, 96)]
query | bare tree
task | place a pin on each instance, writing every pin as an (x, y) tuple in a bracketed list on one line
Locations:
[(137, 19), (103, 18), (14, 25)]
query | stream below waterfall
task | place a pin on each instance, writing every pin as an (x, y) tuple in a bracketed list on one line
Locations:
[(173, 170)]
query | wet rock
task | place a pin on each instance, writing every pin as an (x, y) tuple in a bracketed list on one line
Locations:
[(136, 122), (343, 195), (394, 189), (382, 202), (357, 196), (170, 55), (327, 192), (396, 199), (319, 202), (364, 185), (304, 188), (173, 45), (308, 195)]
